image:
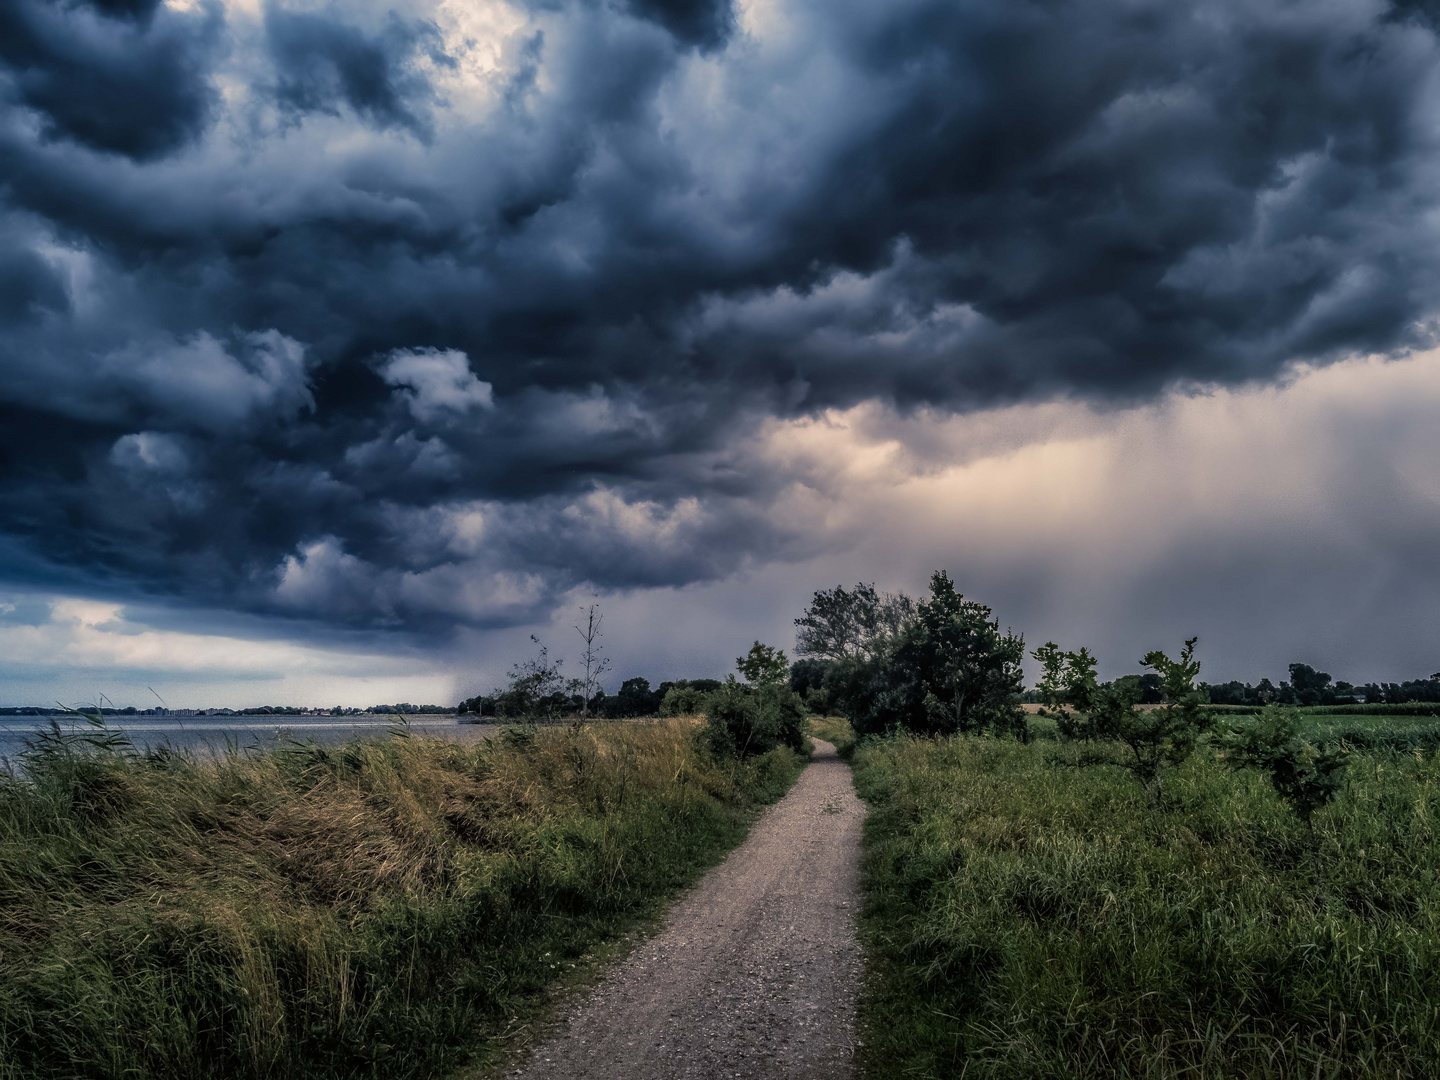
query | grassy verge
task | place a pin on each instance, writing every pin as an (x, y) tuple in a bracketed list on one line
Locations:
[(382, 908), (835, 730), (1028, 919), (1428, 709)]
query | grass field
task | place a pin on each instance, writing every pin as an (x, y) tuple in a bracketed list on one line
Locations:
[(1028, 918), (385, 908), (1428, 709)]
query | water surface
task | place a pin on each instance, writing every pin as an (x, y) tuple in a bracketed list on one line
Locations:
[(215, 734)]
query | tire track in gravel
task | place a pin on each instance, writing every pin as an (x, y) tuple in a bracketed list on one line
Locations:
[(754, 973)]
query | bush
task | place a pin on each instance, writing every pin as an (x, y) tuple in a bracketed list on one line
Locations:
[(807, 678), (683, 701), (759, 715), (1157, 739), (744, 720)]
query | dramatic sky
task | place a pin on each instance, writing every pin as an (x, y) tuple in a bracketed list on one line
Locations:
[(344, 346)]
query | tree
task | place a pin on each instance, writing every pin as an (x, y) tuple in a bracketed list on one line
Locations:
[(840, 624), (1157, 739), (595, 664), (947, 669), (763, 666), (1304, 775), (1311, 687), (635, 698), (537, 689), (1067, 681), (807, 678)]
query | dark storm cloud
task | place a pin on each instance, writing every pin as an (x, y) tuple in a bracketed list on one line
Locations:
[(323, 63), (705, 23), (527, 296), (125, 76)]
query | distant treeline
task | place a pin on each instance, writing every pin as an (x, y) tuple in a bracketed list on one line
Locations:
[(635, 698), (1308, 687)]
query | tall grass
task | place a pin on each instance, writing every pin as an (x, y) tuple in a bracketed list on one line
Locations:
[(1026, 918), (382, 908), (1402, 708)]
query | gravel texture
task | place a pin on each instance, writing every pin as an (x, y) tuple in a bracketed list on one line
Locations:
[(755, 972)]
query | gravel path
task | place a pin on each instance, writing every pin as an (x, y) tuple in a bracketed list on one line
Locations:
[(754, 973)]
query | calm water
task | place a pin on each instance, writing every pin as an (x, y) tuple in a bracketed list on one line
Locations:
[(213, 734)]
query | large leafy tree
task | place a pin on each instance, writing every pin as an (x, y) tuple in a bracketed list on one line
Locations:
[(845, 623), (946, 668)]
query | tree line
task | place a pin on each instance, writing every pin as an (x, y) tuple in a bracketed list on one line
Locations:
[(1307, 687), (937, 665)]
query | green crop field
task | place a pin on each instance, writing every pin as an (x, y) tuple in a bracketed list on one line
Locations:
[(1029, 917)]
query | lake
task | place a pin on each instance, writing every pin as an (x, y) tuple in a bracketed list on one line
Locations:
[(214, 734)]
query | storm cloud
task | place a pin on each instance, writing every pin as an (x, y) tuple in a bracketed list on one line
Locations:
[(421, 318)]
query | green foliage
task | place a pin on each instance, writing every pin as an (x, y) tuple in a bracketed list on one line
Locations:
[(634, 698), (763, 666), (1067, 679), (683, 701), (1411, 739), (382, 908), (743, 720), (1407, 708), (1026, 919), (1157, 739), (841, 624), (948, 669), (1306, 776), (807, 678), (537, 689), (759, 715)]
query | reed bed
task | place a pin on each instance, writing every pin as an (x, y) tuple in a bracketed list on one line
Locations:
[(388, 907), (1027, 917)]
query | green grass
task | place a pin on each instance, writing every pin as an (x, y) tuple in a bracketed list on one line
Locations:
[(1427, 709), (835, 730), (386, 908), (1404, 732), (1027, 918)]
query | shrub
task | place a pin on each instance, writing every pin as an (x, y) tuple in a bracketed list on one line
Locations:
[(807, 678), (1306, 776), (1157, 739), (683, 701), (759, 715)]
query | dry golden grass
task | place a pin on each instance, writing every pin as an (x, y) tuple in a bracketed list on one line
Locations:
[(335, 911)]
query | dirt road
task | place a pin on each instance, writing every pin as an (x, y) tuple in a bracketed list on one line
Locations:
[(754, 973)]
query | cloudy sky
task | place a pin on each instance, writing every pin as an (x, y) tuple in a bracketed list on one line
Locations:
[(344, 346)]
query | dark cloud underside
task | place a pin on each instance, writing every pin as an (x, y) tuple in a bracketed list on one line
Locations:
[(336, 327)]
